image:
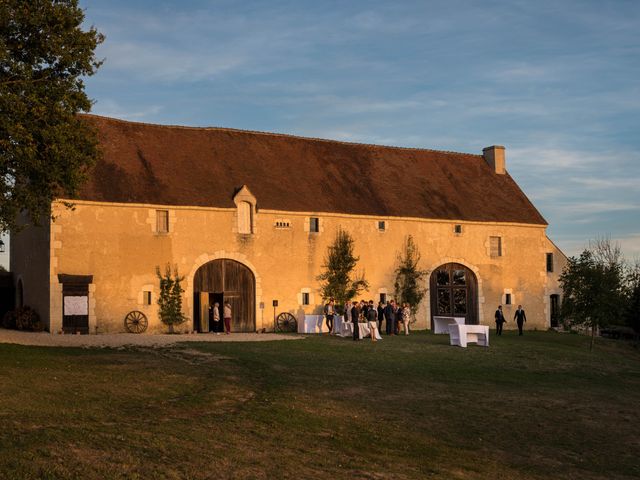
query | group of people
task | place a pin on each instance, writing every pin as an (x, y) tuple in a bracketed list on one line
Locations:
[(393, 314), (214, 315), (520, 317)]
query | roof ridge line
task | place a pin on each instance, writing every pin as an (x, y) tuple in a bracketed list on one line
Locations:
[(276, 134)]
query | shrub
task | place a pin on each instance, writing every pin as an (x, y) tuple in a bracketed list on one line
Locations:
[(23, 318)]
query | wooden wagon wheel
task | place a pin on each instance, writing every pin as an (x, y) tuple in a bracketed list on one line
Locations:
[(286, 322), (136, 322)]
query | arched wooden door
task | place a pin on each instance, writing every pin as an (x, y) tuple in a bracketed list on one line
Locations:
[(225, 280), (454, 293)]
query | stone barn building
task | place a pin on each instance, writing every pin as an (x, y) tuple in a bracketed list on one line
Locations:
[(248, 216)]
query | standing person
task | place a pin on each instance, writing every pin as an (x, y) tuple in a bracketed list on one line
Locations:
[(406, 317), (499, 320), (329, 312), (390, 317), (347, 311), (355, 313), (398, 313), (216, 318), (380, 315), (372, 318), (520, 317), (227, 317)]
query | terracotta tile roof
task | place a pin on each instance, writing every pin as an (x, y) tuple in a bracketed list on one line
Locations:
[(171, 165)]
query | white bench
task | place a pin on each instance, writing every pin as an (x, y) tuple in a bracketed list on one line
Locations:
[(461, 335), (441, 324)]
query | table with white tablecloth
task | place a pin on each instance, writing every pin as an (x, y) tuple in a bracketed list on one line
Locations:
[(364, 331), (461, 335), (313, 324), (317, 324)]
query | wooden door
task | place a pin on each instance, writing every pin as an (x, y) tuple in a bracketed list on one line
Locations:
[(204, 312), (75, 308), (236, 283), (454, 293)]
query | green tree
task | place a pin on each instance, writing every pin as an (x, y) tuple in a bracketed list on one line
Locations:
[(170, 298), (45, 148), (593, 287), (632, 308), (409, 277), (338, 280)]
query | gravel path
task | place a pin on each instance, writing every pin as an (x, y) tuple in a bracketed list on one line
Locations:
[(127, 339)]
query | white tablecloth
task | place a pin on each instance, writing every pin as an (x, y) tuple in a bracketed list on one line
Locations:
[(461, 335), (441, 324), (313, 324), (338, 321), (317, 324), (365, 331), (346, 329)]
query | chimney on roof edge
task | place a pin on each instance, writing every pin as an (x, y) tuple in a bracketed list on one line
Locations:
[(494, 156)]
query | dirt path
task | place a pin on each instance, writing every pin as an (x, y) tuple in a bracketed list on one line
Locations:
[(125, 339)]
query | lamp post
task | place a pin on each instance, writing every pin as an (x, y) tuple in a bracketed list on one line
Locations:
[(275, 304)]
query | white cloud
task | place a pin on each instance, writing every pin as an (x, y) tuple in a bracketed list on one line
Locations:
[(111, 108)]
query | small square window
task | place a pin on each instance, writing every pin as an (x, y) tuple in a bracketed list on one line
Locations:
[(496, 246), (146, 298), (314, 224), (457, 229), (507, 299), (162, 221), (382, 225), (305, 298), (549, 262)]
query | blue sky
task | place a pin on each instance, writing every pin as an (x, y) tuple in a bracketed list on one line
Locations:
[(556, 82)]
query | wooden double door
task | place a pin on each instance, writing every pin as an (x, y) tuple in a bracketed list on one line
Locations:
[(221, 281), (454, 293)]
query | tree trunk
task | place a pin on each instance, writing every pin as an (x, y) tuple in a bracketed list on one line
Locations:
[(170, 328), (593, 336)]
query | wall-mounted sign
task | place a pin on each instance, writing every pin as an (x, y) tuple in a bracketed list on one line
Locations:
[(78, 305)]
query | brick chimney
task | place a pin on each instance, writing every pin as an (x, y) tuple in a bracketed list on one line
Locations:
[(494, 156)]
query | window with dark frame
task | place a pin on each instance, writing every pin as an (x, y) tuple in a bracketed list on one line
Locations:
[(162, 221), (146, 298), (305, 298), (383, 297), (457, 229), (507, 299), (549, 262), (495, 246), (314, 224), (382, 225)]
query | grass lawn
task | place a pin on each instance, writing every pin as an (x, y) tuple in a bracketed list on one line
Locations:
[(531, 407)]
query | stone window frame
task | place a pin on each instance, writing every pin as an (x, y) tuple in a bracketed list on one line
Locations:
[(512, 297), (550, 259), (152, 221), (501, 246), (244, 196), (307, 224), (162, 222), (311, 297)]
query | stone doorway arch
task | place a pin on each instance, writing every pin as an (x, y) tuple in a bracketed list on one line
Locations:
[(219, 281), (454, 293)]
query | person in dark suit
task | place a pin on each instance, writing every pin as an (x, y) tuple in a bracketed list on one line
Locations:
[(520, 317), (355, 313), (390, 317), (380, 315), (500, 320)]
